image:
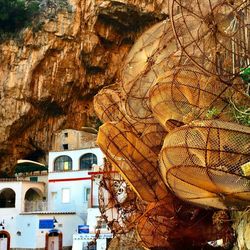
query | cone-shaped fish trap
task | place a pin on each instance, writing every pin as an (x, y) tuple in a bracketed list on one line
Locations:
[(153, 53), (156, 224), (206, 163), (136, 162), (187, 94), (108, 107), (218, 34)]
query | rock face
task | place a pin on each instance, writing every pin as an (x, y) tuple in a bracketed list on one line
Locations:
[(241, 225), (49, 75)]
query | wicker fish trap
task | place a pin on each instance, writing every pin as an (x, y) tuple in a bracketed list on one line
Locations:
[(153, 53), (119, 205), (134, 160), (107, 105), (109, 108), (218, 34), (186, 94), (207, 163), (156, 224)]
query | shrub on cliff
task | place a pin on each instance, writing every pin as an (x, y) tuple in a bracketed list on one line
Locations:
[(16, 14)]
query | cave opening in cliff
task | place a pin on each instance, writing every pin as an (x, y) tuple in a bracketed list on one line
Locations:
[(36, 155)]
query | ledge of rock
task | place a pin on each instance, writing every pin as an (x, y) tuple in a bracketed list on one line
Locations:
[(51, 71)]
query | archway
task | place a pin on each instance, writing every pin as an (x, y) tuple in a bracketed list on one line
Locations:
[(53, 240), (4, 240), (63, 163), (33, 200), (7, 198), (33, 194), (87, 160)]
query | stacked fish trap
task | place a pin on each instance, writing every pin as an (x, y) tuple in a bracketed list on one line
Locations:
[(170, 128)]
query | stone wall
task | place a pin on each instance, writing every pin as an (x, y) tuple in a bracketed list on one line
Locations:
[(50, 72)]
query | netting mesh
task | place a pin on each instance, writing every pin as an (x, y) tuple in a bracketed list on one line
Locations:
[(164, 227), (204, 163), (186, 94), (153, 53), (118, 204), (180, 84), (135, 160), (155, 226), (218, 34)]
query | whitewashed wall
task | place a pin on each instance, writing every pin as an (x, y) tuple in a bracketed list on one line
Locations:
[(78, 200)]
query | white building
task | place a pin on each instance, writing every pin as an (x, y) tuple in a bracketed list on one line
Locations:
[(40, 210)]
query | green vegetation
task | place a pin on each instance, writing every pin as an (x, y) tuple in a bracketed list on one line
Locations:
[(16, 14), (212, 113), (245, 74), (242, 115)]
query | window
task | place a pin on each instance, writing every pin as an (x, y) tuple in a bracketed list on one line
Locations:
[(65, 134), (63, 163), (86, 194), (87, 160), (53, 195), (65, 195), (34, 178), (7, 198), (65, 146)]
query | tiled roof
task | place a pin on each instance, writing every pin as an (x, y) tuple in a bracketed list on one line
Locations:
[(18, 180), (46, 212)]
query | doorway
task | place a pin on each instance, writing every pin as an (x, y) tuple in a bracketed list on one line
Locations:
[(4, 240), (53, 240)]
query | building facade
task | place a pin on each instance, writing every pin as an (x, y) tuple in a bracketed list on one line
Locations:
[(46, 210)]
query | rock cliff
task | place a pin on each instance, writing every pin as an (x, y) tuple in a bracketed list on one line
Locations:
[(50, 72)]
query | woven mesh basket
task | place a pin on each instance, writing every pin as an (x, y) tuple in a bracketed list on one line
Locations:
[(136, 162), (206, 163)]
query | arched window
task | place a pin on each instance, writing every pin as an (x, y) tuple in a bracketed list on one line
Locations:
[(63, 163), (7, 198), (87, 160), (33, 194), (33, 200)]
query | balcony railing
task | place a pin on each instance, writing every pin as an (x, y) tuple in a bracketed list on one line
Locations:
[(32, 206)]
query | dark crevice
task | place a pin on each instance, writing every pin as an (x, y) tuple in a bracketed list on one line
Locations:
[(47, 106), (105, 42), (90, 65), (128, 40), (92, 70), (125, 18), (35, 155)]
